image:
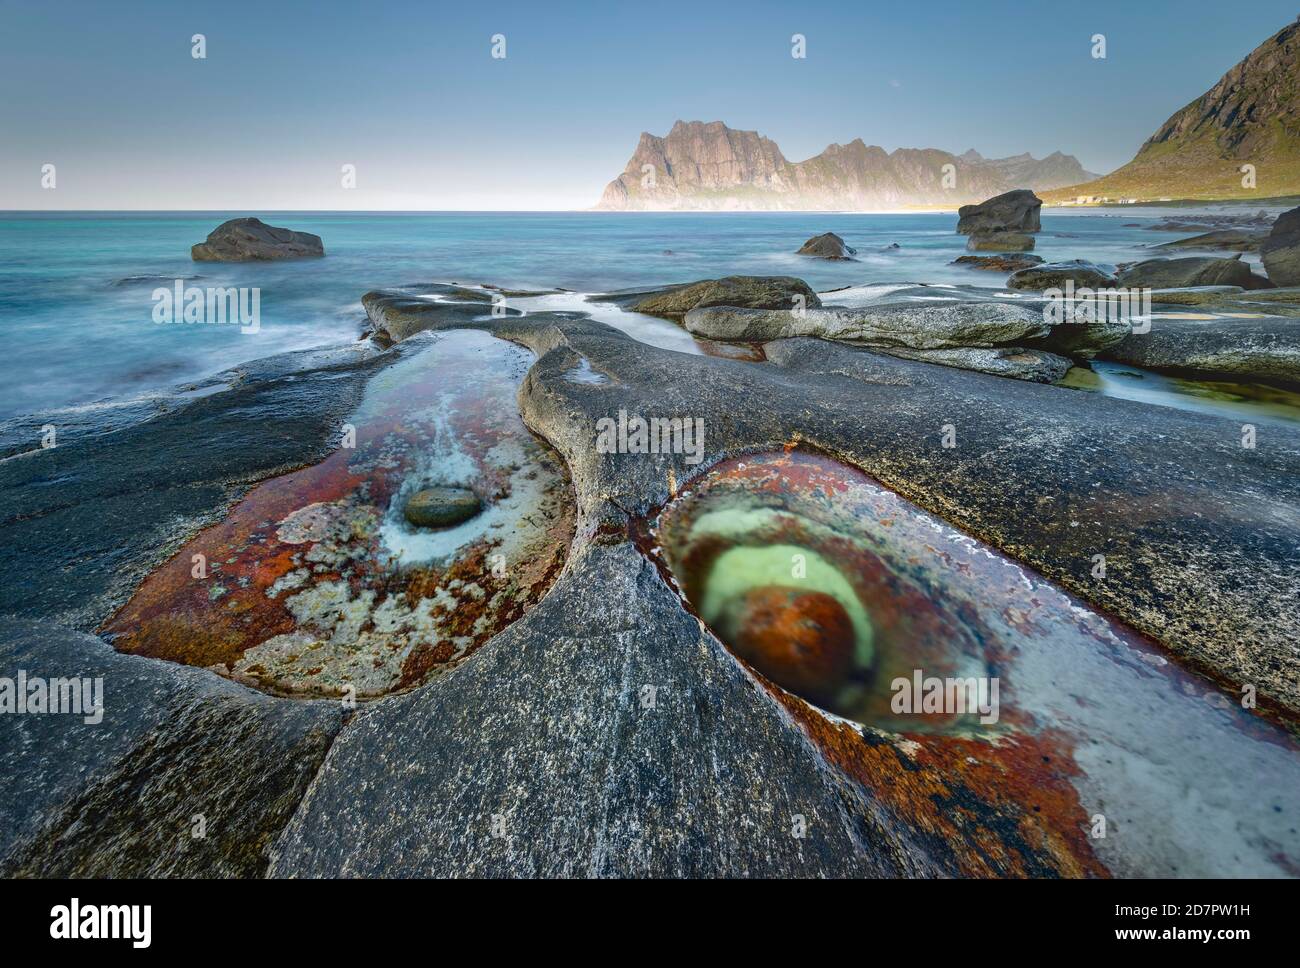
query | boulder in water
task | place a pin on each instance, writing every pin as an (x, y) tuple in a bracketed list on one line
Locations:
[(1015, 211), (828, 246), (252, 240)]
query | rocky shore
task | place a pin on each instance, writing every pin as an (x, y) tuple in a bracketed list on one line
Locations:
[(557, 696)]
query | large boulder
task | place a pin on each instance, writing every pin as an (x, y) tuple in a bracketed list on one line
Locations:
[(1015, 211), (252, 240), (1264, 350), (1190, 272), (751, 292), (1054, 275), (828, 246), (1281, 250), (1000, 242)]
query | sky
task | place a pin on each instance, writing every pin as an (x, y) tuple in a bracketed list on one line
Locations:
[(409, 93)]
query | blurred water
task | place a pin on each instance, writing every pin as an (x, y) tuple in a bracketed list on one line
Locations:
[(74, 334)]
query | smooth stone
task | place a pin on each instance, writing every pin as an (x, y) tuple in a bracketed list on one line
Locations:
[(754, 292), (1190, 272), (1054, 275), (828, 246), (802, 640), (1014, 211), (441, 507), (251, 240)]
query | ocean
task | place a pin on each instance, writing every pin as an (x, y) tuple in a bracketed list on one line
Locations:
[(76, 304)]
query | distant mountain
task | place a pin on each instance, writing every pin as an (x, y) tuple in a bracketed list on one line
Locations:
[(1252, 116), (709, 166)]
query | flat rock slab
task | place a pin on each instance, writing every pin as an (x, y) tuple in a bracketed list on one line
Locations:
[(1265, 350), (85, 521), (398, 315), (1015, 362), (918, 326), (122, 797)]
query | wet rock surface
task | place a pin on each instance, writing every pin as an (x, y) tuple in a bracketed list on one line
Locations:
[(397, 314), (1265, 349), (83, 522), (317, 582), (252, 240), (606, 730)]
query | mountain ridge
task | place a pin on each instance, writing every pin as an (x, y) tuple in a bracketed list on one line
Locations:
[(1251, 116), (709, 166)]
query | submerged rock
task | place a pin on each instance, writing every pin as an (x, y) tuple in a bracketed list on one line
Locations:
[(1054, 275), (1190, 272), (1265, 350), (998, 263), (1015, 211), (828, 246), (1280, 252), (1000, 242), (251, 239), (441, 507)]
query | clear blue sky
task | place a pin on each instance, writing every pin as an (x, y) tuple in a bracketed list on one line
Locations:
[(408, 92)]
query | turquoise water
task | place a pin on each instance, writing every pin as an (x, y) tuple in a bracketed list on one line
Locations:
[(75, 334)]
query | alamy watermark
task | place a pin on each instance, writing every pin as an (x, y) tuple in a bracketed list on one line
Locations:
[(36, 695), (655, 435), (1085, 305), (946, 697), (216, 304)]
